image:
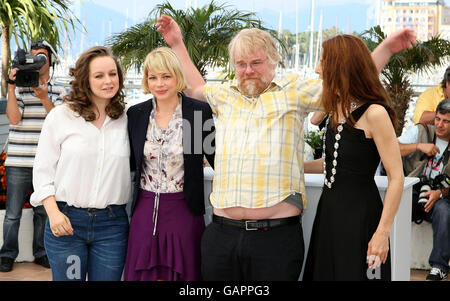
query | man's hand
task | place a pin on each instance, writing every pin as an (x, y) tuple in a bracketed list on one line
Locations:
[(41, 91), (171, 33), (428, 148), (12, 76), (170, 30), (434, 196), (400, 39)]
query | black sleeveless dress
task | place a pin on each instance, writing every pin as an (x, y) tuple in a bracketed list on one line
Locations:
[(347, 214)]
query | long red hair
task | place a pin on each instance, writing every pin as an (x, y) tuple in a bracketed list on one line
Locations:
[(349, 74)]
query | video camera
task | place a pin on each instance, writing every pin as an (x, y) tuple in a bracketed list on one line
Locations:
[(29, 66)]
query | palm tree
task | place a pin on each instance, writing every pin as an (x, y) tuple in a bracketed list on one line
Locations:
[(206, 33), (29, 20), (423, 57)]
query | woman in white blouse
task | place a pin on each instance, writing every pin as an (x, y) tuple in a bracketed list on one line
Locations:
[(169, 134), (81, 173)]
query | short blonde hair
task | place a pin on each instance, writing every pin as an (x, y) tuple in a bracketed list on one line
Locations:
[(250, 40), (162, 60)]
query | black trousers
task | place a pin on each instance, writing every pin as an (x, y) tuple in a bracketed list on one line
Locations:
[(233, 254)]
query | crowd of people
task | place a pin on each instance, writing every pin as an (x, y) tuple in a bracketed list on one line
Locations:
[(85, 149)]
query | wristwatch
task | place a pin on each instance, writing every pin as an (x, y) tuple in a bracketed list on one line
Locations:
[(10, 81)]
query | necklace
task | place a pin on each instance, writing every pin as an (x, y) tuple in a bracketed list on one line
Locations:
[(337, 137)]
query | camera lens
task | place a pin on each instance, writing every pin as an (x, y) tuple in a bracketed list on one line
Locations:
[(422, 198)]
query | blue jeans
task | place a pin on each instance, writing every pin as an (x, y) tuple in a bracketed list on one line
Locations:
[(18, 184), (97, 248), (440, 254)]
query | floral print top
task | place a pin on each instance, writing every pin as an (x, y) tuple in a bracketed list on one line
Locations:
[(163, 164)]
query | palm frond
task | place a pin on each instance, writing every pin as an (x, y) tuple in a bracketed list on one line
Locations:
[(206, 34)]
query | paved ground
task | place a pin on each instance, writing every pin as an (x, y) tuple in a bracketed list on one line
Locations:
[(28, 271)]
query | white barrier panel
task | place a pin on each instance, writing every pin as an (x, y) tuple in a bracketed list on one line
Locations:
[(25, 235)]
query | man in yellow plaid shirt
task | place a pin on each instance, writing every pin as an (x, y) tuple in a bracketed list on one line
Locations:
[(258, 191)]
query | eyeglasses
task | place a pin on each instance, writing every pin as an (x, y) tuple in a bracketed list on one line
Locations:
[(255, 65)]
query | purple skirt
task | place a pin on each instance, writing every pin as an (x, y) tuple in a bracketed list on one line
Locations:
[(173, 253)]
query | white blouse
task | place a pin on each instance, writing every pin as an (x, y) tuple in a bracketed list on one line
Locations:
[(82, 165)]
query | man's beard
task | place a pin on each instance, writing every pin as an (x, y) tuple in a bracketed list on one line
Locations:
[(252, 88)]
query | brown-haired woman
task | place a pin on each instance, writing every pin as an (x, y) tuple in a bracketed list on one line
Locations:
[(350, 236), (82, 173)]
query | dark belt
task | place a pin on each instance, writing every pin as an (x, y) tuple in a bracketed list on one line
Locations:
[(262, 224)]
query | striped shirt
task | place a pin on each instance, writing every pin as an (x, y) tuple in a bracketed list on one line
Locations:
[(260, 141), (23, 138)]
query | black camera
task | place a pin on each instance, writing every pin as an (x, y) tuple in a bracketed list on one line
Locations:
[(29, 66), (439, 182), (425, 185)]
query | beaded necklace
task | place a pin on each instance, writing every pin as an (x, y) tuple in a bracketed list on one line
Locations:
[(337, 137)]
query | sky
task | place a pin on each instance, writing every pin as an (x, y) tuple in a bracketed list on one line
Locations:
[(102, 18), (137, 10)]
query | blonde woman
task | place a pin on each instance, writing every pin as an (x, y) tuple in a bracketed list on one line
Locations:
[(169, 135)]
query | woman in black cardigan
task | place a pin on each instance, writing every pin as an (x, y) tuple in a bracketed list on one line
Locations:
[(169, 136)]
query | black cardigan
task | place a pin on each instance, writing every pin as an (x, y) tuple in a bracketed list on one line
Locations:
[(138, 119)]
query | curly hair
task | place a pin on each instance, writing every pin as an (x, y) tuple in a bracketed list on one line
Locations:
[(79, 99)]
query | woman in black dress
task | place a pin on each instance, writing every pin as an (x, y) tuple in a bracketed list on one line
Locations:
[(350, 237)]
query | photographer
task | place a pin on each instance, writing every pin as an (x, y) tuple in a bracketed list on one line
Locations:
[(30, 97), (426, 152)]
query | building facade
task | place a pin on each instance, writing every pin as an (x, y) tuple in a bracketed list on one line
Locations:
[(427, 17)]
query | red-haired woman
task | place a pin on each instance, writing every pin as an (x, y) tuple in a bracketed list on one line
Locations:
[(351, 230)]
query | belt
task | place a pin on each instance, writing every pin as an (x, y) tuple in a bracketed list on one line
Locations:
[(262, 224)]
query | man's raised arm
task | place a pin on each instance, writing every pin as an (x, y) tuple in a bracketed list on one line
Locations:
[(171, 33)]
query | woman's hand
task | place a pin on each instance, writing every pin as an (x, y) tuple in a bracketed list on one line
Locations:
[(401, 39), (60, 224), (378, 249)]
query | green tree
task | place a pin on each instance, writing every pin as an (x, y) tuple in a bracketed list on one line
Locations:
[(29, 20), (423, 57), (289, 40), (206, 33)]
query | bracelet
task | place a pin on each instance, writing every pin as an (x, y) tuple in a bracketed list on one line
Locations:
[(10, 81)]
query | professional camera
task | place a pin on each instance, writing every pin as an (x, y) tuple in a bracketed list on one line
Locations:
[(425, 185), (29, 66)]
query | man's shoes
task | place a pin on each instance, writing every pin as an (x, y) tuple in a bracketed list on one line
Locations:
[(42, 261), (436, 275), (6, 264)]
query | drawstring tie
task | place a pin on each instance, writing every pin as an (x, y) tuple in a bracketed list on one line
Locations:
[(158, 191), (155, 212)]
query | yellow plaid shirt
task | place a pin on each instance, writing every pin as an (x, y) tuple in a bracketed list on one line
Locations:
[(259, 141)]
